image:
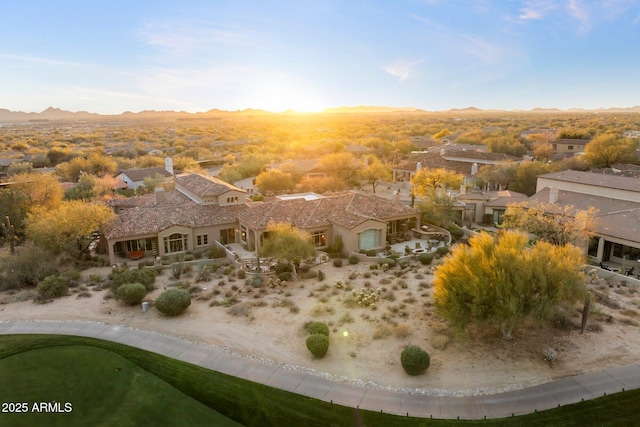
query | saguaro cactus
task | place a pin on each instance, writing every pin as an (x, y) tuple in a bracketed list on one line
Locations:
[(9, 233)]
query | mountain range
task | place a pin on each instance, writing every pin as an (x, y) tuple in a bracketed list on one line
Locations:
[(52, 114)]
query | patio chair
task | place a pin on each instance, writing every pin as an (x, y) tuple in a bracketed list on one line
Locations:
[(630, 272)]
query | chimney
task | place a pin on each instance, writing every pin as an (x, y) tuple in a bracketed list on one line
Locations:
[(553, 195), (160, 195), (474, 168), (168, 164)]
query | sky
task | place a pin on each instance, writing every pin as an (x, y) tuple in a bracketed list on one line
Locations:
[(112, 56)]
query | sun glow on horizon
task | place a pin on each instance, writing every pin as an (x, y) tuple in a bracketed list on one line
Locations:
[(279, 96)]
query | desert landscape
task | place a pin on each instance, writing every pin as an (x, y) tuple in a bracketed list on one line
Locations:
[(365, 343)]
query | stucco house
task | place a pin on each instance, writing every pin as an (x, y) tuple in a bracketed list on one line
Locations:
[(616, 232), (134, 178), (203, 211)]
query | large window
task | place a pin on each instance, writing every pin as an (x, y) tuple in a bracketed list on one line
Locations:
[(139, 245), (369, 239), (175, 243), (320, 238), (227, 236)]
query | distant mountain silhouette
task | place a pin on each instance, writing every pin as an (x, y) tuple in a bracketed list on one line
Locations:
[(54, 114)]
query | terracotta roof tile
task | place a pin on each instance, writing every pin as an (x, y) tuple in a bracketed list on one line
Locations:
[(205, 186)]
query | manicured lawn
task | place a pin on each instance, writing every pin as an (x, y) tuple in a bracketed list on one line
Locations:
[(110, 393), (94, 386)]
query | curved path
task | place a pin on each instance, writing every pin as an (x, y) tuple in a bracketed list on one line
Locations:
[(546, 396)]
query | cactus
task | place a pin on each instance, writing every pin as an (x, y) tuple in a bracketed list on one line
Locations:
[(9, 233)]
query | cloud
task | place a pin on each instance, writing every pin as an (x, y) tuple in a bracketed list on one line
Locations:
[(577, 10), (182, 38), (537, 9), (401, 69)]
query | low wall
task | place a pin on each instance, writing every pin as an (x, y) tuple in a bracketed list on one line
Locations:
[(610, 275)]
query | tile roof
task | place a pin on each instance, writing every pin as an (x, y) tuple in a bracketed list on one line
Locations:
[(347, 209), (596, 179), (177, 209), (139, 174), (203, 186)]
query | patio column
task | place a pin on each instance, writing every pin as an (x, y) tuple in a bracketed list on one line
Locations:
[(600, 254)]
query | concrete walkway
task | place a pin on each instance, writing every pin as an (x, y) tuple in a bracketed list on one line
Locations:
[(557, 393)]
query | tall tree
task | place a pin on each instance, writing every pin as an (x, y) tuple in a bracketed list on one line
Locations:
[(555, 224), (339, 165), (287, 243), (427, 179), (67, 228), (375, 172), (501, 280), (274, 181), (607, 149), (527, 177)]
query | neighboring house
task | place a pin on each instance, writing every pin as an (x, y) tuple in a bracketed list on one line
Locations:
[(566, 146), (488, 206), (616, 233), (134, 178), (203, 210), (464, 159)]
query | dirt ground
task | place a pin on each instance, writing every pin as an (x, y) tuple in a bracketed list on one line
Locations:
[(365, 344)]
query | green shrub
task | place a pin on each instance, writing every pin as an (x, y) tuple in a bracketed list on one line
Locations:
[(337, 262), (242, 274), (389, 261), (443, 250), (318, 328), (320, 275), (131, 293), (285, 276), (123, 275), (353, 260), (318, 345), (53, 287), (27, 267), (173, 302), (282, 267), (141, 265), (189, 257), (425, 258), (372, 252), (414, 360), (217, 252)]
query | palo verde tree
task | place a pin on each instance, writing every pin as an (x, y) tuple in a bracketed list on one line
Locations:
[(68, 228), (287, 243), (504, 281), (375, 172), (607, 149), (555, 224)]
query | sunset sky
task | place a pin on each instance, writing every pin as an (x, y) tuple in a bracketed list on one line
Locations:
[(111, 56)]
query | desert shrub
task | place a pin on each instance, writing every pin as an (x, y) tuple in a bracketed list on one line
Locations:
[(304, 268), (353, 260), (318, 328), (285, 276), (131, 293), (403, 330), (309, 274), (149, 263), (282, 267), (318, 345), (337, 262), (389, 261), (381, 332), (173, 302), (217, 252), (53, 287), (425, 258), (440, 341), (189, 257), (123, 275), (141, 265), (414, 360), (27, 267), (442, 250), (242, 274)]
